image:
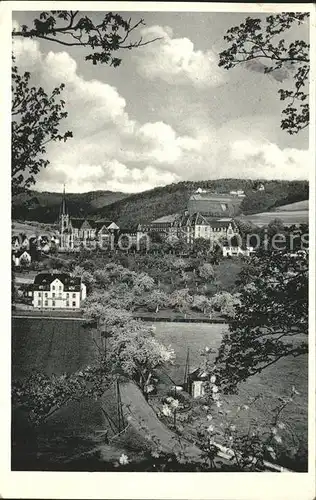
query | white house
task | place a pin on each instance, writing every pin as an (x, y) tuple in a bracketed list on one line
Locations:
[(58, 291), (16, 243), (230, 251), (21, 258)]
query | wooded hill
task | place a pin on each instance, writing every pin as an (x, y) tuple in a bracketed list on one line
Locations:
[(129, 210), (44, 206)]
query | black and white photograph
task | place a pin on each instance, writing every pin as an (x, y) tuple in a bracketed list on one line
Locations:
[(162, 180)]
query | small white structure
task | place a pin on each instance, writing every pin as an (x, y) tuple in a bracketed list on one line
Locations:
[(236, 251), (198, 388), (58, 291), (240, 193), (21, 258)]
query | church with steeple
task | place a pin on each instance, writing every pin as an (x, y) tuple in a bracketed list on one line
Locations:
[(74, 231)]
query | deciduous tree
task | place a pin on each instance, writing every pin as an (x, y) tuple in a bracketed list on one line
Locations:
[(206, 271), (36, 119), (135, 353), (261, 46), (103, 38), (271, 321), (181, 300), (156, 300)]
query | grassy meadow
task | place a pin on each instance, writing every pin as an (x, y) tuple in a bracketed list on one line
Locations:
[(272, 383), (59, 346)]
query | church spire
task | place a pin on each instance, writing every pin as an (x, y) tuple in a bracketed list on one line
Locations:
[(63, 209)]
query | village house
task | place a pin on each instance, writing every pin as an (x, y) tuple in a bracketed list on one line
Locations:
[(235, 251), (21, 258), (58, 291), (15, 243)]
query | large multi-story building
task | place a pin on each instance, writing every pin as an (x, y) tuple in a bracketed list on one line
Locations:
[(190, 227), (193, 226), (162, 225), (74, 231), (58, 291)]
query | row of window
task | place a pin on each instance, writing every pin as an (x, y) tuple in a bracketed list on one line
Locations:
[(53, 294), (54, 303)]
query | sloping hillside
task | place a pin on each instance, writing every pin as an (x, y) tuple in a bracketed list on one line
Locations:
[(44, 207), (293, 207), (149, 205), (32, 228), (129, 210)]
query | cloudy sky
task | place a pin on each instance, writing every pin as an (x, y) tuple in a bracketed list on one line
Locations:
[(168, 113)]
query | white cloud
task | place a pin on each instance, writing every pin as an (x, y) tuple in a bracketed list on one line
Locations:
[(175, 61), (267, 160), (110, 150)]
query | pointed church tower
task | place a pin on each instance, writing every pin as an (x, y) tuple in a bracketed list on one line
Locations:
[(63, 221)]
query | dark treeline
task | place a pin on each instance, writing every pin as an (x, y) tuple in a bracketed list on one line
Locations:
[(128, 211)]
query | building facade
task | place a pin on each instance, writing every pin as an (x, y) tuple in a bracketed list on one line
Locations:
[(58, 291), (190, 227), (21, 258), (75, 231)]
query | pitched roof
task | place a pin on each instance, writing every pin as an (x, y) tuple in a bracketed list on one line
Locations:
[(215, 223), (44, 281), (21, 252), (77, 222)]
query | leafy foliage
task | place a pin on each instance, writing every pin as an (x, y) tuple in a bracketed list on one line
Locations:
[(206, 271), (180, 300), (255, 40), (156, 300), (69, 29), (36, 117), (201, 303), (225, 303), (271, 321), (135, 353), (41, 395)]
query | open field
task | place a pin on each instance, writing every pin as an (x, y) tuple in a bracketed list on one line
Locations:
[(58, 346), (53, 346), (31, 228), (273, 383), (288, 217), (299, 205)]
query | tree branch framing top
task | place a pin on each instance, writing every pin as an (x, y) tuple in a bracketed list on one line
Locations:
[(69, 29)]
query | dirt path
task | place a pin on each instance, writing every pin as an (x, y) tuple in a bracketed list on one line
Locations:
[(143, 415)]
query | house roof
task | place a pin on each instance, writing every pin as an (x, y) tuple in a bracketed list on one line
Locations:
[(200, 220), (132, 232), (21, 252), (43, 281), (77, 222)]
